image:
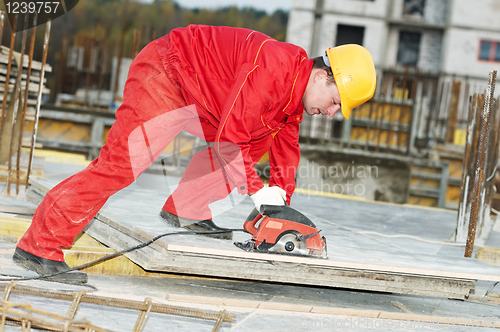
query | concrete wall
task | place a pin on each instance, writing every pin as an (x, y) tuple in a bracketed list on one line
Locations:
[(368, 14), (431, 45), (435, 12), (451, 31), (468, 25), (377, 8), (462, 56), (373, 40), (300, 28), (479, 14)]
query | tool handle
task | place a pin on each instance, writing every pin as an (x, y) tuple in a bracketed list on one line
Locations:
[(251, 221)]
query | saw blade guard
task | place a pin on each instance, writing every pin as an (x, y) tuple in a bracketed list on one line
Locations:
[(283, 229)]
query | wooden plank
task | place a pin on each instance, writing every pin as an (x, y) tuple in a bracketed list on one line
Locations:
[(35, 65), (154, 259), (17, 209), (4, 173)]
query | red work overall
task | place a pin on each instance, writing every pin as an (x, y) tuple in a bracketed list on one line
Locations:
[(162, 96)]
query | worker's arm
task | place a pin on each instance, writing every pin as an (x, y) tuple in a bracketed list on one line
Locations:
[(284, 156), (253, 93)]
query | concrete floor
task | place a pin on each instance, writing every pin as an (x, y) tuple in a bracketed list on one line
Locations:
[(380, 218)]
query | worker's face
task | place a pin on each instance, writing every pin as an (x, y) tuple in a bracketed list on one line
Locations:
[(321, 97)]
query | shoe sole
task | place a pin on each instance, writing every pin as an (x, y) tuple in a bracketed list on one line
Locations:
[(28, 264), (221, 235), (169, 218), (173, 220)]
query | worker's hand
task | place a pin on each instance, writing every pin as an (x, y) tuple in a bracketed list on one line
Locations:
[(270, 196)]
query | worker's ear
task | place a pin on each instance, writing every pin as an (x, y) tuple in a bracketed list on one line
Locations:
[(320, 74)]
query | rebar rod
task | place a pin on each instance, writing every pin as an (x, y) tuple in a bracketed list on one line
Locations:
[(38, 99), (219, 321), (26, 95), (2, 20), (479, 166), (15, 109), (75, 304), (7, 76), (143, 316), (118, 66)]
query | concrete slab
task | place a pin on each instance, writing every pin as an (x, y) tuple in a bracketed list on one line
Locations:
[(133, 212)]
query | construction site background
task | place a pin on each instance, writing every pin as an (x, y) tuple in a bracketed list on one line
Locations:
[(410, 137)]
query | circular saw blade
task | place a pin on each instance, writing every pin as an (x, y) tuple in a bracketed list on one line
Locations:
[(290, 244)]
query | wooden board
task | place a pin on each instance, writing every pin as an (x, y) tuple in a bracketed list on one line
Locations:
[(355, 260)]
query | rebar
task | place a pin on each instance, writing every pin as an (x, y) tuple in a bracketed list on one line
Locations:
[(90, 68), (117, 303), (26, 94), (2, 20), (479, 166), (219, 321), (15, 108), (143, 315), (24, 313), (39, 98), (75, 305), (474, 113), (7, 76), (118, 66)]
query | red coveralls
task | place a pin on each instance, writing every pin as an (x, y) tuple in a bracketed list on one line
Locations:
[(237, 88)]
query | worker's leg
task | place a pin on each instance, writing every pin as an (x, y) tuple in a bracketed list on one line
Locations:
[(205, 181), (152, 113)]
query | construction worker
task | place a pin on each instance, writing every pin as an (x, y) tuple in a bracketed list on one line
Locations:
[(240, 90)]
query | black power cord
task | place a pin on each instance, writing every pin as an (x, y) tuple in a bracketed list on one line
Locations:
[(118, 253)]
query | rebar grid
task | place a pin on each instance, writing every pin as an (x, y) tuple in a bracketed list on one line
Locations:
[(20, 314), (144, 307)]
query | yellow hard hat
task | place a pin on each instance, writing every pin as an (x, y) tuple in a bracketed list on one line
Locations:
[(354, 73)]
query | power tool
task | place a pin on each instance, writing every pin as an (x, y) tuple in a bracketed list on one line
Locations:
[(283, 230)]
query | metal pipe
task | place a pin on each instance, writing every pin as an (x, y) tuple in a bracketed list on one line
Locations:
[(39, 98), (479, 166)]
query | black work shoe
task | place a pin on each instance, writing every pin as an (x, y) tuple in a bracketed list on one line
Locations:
[(197, 225), (44, 266)]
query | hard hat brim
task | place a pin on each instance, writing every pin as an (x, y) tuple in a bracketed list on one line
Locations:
[(346, 112)]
